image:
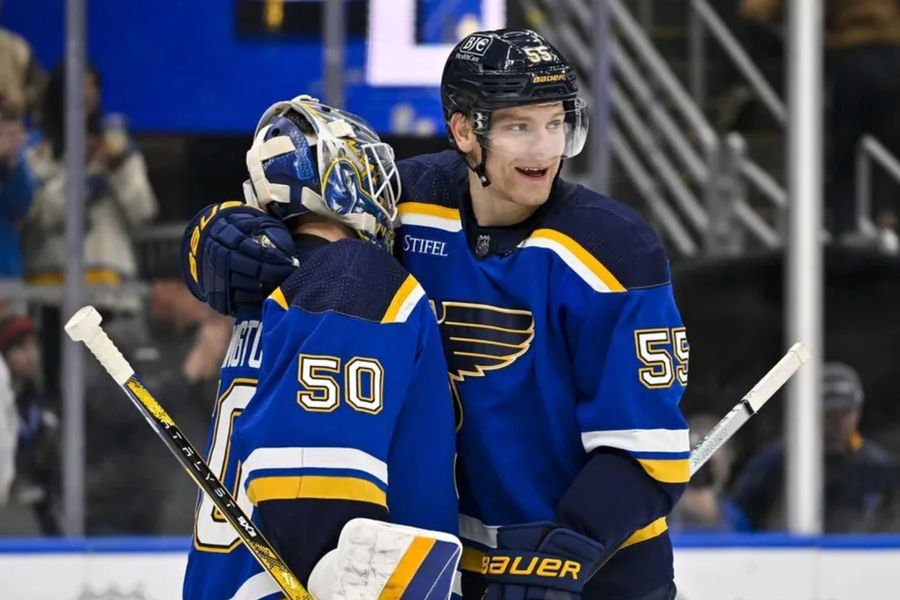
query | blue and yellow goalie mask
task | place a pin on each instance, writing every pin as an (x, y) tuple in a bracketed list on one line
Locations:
[(308, 157)]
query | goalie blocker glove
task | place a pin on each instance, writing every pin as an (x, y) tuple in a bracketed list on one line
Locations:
[(539, 561), (234, 255)]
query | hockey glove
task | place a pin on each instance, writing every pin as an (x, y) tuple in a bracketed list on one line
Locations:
[(375, 559), (539, 561), (234, 255)]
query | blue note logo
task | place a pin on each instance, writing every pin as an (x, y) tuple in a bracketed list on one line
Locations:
[(479, 338)]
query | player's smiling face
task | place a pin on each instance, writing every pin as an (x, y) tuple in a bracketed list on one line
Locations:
[(525, 147)]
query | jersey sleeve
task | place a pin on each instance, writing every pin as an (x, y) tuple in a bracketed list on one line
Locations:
[(630, 351), (339, 416)]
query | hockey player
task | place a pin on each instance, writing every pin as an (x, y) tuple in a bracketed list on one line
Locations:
[(566, 351), (351, 419)]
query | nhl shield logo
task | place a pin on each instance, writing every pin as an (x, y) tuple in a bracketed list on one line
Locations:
[(483, 245)]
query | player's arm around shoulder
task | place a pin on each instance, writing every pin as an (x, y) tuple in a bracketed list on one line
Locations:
[(233, 255)]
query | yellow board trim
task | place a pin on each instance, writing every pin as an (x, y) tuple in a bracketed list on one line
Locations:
[(293, 487), (278, 297), (92, 276), (667, 471), (406, 569), (654, 529), (431, 210), (583, 256), (408, 287)]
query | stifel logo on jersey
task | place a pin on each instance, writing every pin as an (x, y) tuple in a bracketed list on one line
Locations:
[(424, 246)]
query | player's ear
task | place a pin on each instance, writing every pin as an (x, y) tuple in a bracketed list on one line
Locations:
[(462, 132)]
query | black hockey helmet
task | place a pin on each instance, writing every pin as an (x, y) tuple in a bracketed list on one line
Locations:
[(490, 70)]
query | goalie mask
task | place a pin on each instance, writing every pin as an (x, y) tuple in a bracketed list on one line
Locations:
[(308, 157)]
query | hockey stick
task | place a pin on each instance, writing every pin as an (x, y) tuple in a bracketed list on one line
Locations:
[(84, 326), (749, 405)]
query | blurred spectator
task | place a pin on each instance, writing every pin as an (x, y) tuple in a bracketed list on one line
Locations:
[(119, 200), (864, 37), (119, 197), (134, 487), (756, 25), (37, 458), (860, 477), (16, 192), (703, 505), (21, 78)]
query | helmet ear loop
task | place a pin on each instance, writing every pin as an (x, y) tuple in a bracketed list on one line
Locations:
[(481, 125)]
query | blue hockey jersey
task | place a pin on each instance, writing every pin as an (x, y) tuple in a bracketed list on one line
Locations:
[(218, 562), (563, 342), (352, 416)]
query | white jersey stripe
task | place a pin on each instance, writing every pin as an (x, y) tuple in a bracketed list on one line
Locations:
[(570, 259), (474, 530), (258, 586), (638, 440), (314, 458), (432, 221)]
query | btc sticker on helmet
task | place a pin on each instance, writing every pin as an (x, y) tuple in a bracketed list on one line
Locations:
[(476, 45)]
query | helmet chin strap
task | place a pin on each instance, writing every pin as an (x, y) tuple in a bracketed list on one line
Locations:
[(481, 168)]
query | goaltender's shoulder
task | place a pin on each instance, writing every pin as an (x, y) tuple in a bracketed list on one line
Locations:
[(353, 278)]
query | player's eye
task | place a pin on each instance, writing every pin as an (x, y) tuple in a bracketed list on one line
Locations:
[(555, 125), (518, 128)]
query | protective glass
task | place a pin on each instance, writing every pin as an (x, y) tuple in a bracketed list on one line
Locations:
[(542, 131)]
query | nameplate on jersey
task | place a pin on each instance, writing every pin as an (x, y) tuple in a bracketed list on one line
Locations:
[(245, 348)]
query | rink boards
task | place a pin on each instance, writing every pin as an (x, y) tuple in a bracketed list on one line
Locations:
[(708, 567)]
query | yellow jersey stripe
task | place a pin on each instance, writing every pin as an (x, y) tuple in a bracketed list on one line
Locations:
[(583, 256), (315, 486), (393, 310), (406, 569), (278, 297), (431, 210), (472, 560), (667, 471), (654, 529)]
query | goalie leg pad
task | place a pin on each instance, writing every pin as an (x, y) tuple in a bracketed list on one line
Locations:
[(382, 560)]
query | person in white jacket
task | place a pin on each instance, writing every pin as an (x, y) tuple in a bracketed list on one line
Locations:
[(119, 199)]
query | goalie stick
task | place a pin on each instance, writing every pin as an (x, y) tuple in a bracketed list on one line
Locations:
[(84, 326)]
